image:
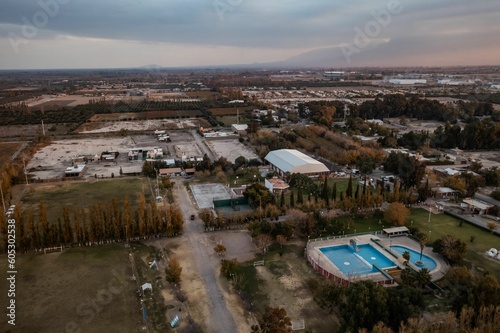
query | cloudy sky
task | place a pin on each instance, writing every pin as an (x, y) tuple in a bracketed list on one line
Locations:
[(171, 33)]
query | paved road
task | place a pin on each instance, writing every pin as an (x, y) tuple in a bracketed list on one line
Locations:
[(487, 199), (220, 319), (199, 141), (473, 219)]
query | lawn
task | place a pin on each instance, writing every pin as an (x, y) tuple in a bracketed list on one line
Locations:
[(442, 224), (83, 194), (84, 289)]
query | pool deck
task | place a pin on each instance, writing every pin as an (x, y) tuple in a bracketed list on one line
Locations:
[(385, 242)]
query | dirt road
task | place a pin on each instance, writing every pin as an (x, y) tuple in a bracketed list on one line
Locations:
[(220, 318)]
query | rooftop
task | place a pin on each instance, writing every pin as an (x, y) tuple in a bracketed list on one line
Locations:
[(293, 161)]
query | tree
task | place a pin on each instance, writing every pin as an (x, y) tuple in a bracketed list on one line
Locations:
[(220, 249), (173, 271), (281, 239), (263, 241), (229, 268), (349, 188), (324, 191), (450, 247), (408, 276), (423, 238), (365, 164), (44, 224), (363, 305), (492, 226), (406, 255), (274, 320), (396, 214), (403, 302), (258, 194), (423, 277), (334, 192)]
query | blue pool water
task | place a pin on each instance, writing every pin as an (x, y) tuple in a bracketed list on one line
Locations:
[(356, 263), (429, 263)]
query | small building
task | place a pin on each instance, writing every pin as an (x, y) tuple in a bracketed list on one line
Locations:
[(444, 192), (190, 171), (276, 185), (135, 154), (169, 161), (109, 156), (476, 206), (170, 172), (375, 121), (396, 231), (407, 81), (75, 171), (239, 128), (154, 153), (447, 172)]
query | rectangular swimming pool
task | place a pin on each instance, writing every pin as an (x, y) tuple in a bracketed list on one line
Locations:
[(361, 262)]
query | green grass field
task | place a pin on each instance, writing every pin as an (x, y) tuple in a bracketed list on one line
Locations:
[(83, 194), (442, 224), (83, 289)]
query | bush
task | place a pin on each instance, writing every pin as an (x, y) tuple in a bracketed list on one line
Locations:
[(495, 195)]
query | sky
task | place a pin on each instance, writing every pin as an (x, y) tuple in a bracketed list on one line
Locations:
[(46, 34)]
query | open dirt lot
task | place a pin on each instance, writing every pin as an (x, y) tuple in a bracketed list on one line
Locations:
[(231, 149), (86, 288), (52, 160), (138, 125), (72, 100)]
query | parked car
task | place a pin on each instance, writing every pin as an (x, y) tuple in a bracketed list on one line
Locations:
[(192, 217)]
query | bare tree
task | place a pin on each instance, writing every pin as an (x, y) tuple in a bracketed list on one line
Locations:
[(263, 241)]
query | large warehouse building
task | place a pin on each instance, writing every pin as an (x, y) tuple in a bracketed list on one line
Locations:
[(293, 161)]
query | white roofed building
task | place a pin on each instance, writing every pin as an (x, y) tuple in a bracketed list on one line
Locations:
[(293, 161)]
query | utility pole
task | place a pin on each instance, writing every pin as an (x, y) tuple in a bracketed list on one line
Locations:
[(25, 174), (1, 190)]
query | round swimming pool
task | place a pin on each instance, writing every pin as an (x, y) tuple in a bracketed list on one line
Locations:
[(427, 261)]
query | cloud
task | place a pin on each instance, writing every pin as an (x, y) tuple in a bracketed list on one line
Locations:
[(287, 27)]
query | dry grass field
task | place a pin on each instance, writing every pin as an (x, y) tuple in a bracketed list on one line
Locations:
[(81, 194), (7, 150), (79, 290)]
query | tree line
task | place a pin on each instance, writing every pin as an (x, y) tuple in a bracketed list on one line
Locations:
[(101, 223)]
